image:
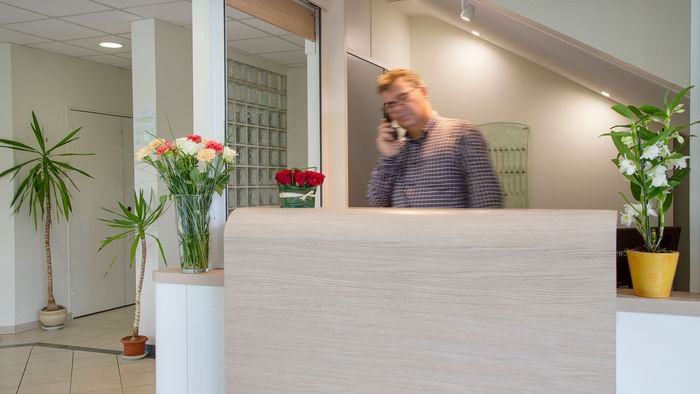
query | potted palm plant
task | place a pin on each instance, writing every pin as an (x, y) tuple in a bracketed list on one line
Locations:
[(650, 157), (44, 185), (133, 227)]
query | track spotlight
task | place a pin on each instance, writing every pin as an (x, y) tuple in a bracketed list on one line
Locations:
[(467, 11)]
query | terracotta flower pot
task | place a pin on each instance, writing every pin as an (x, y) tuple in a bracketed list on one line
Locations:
[(134, 348)]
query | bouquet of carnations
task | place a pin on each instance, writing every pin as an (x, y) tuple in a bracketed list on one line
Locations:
[(193, 169), (190, 165), (297, 187)]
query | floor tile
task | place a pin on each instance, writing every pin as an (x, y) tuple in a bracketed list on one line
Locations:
[(10, 370), (138, 379), (14, 355), (139, 368), (108, 391), (40, 368), (49, 366), (36, 378), (98, 360), (8, 382), (49, 388), (147, 389)]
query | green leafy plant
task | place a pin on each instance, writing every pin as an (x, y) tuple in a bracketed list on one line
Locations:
[(44, 184), (133, 227), (649, 148)]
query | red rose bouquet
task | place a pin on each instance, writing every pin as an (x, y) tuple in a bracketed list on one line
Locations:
[(298, 187)]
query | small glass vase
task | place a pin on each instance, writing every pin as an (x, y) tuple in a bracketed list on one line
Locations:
[(192, 212), (297, 197)]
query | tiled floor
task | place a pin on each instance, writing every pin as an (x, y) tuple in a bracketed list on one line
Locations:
[(80, 358)]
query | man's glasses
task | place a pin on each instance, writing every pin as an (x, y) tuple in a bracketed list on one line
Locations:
[(401, 99)]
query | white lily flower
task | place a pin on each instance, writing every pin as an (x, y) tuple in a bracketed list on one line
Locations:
[(627, 167), (626, 218), (650, 209), (663, 150), (628, 141), (651, 152), (679, 163), (187, 146), (658, 176)]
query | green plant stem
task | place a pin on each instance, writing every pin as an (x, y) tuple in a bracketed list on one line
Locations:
[(642, 177)]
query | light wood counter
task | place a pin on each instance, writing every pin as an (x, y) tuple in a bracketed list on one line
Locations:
[(419, 301), (680, 303), (214, 277)]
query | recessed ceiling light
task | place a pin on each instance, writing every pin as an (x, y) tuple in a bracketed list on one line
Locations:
[(476, 33), (111, 45), (604, 93)]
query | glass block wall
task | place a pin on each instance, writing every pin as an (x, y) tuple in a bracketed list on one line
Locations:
[(257, 130)]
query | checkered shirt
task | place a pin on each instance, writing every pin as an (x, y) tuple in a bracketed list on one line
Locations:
[(448, 167)]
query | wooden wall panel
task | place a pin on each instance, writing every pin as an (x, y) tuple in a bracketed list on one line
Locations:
[(285, 14)]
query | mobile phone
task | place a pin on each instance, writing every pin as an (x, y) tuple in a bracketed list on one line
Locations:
[(394, 127)]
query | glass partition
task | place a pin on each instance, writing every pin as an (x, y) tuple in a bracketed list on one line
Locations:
[(272, 76)]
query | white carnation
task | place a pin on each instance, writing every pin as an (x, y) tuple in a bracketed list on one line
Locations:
[(187, 147), (229, 155)]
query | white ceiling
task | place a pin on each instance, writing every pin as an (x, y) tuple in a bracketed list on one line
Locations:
[(76, 27)]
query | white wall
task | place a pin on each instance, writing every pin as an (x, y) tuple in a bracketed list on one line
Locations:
[(471, 79), (652, 35), (7, 236), (297, 118), (48, 84), (162, 84), (378, 30)]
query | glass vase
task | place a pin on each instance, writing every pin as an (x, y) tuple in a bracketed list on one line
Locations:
[(192, 212), (297, 197)]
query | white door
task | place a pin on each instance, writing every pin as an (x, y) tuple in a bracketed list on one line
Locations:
[(100, 280)]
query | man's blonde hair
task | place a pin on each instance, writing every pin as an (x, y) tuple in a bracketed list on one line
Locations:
[(385, 80)]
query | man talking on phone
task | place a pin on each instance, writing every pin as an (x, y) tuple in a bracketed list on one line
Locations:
[(441, 163)]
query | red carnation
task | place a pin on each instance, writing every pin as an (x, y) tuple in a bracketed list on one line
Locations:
[(284, 177), (195, 138), (314, 178), (300, 178), (217, 147), (165, 147)]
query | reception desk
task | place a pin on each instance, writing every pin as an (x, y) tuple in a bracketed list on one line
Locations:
[(419, 301)]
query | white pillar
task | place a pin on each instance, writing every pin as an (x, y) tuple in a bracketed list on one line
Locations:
[(162, 98), (334, 104), (209, 99), (7, 187), (694, 207)]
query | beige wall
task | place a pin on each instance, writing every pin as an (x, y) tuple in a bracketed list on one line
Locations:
[(652, 35), (471, 79), (297, 118), (378, 30), (49, 84)]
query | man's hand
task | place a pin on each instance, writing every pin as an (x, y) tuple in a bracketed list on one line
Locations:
[(387, 144)]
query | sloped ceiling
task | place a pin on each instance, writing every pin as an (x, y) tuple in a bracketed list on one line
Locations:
[(553, 50)]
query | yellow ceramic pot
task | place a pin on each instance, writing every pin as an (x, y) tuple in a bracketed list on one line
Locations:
[(652, 273)]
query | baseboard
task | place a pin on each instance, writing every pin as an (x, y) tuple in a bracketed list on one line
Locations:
[(151, 349), (16, 329)]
